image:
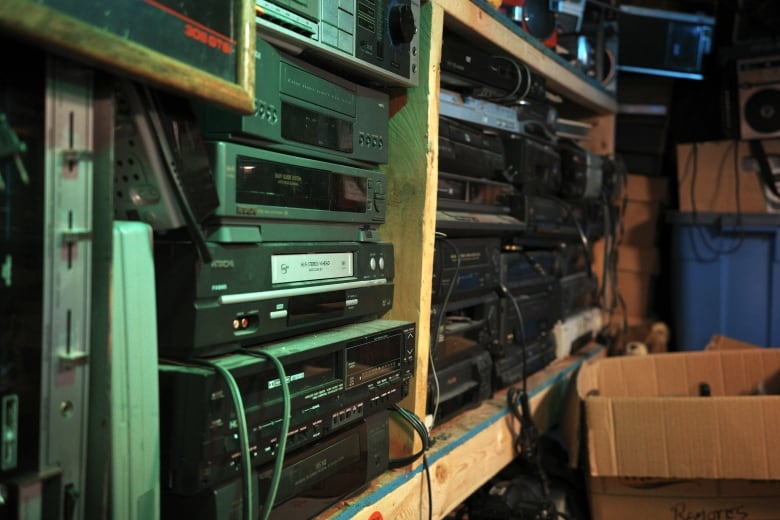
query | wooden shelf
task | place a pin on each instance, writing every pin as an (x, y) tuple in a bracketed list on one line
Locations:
[(486, 24), (467, 451)]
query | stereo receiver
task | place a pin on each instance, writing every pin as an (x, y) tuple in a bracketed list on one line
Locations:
[(469, 265), (376, 40), (254, 292), (336, 378), (513, 364), (302, 109)]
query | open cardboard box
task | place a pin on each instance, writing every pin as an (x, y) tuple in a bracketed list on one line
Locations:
[(656, 448)]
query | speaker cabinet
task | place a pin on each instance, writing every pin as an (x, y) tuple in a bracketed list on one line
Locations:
[(758, 93)]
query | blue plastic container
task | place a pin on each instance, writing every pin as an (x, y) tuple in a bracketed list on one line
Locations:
[(725, 273)]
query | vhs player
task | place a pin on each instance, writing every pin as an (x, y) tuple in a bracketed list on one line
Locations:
[(302, 109), (255, 292), (270, 196)]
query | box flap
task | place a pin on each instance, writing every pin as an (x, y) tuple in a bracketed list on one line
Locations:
[(644, 417), (719, 342)]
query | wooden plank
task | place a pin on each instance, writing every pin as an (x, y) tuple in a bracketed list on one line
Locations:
[(470, 19), (468, 450), (411, 212)]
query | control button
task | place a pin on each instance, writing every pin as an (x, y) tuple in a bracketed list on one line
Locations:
[(372, 264), (329, 35), (402, 25), (351, 301), (274, 315), (382, 263)]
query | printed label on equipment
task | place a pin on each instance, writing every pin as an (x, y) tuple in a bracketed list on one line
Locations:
[(307, 267)]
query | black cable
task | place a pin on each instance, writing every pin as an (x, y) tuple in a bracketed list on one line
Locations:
[(519, 68), (440, 321), (173, 165), (526, 442), (284, 431), (523, 345), (706, 242), (583, 236), (605, 272), (422, 431), (428, 485)]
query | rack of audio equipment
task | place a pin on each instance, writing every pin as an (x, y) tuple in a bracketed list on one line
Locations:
[(477, 444), (410, 201)]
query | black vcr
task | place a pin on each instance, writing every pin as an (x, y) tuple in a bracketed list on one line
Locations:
[(336, 377)]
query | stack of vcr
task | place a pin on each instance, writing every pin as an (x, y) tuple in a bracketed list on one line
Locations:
[(530, 280), (464, 324), (267, 244), (498, 124)]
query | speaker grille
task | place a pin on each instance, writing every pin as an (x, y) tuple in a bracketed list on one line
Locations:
[(758, 83)]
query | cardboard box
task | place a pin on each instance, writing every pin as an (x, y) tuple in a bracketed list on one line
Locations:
[(657, 449), (645, 198), (707, 180), (638, 292), (641, 222), (637, 270), (720, 342), (647, 188), (701, 499)]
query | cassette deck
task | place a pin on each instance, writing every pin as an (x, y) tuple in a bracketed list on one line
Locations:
[(376, 40)]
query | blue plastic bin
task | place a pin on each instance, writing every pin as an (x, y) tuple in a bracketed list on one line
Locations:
[(725, 271)]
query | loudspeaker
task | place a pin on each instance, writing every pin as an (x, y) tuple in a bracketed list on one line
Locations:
[(758, 95)]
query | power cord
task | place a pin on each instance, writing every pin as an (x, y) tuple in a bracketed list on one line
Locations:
[(243, 434), (505, 293), (419, 426), (693, 164), (526, 443), (440, 322), (580, 231), (285, 428)]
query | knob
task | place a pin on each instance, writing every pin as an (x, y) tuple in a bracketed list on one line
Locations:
[(402, 26)]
